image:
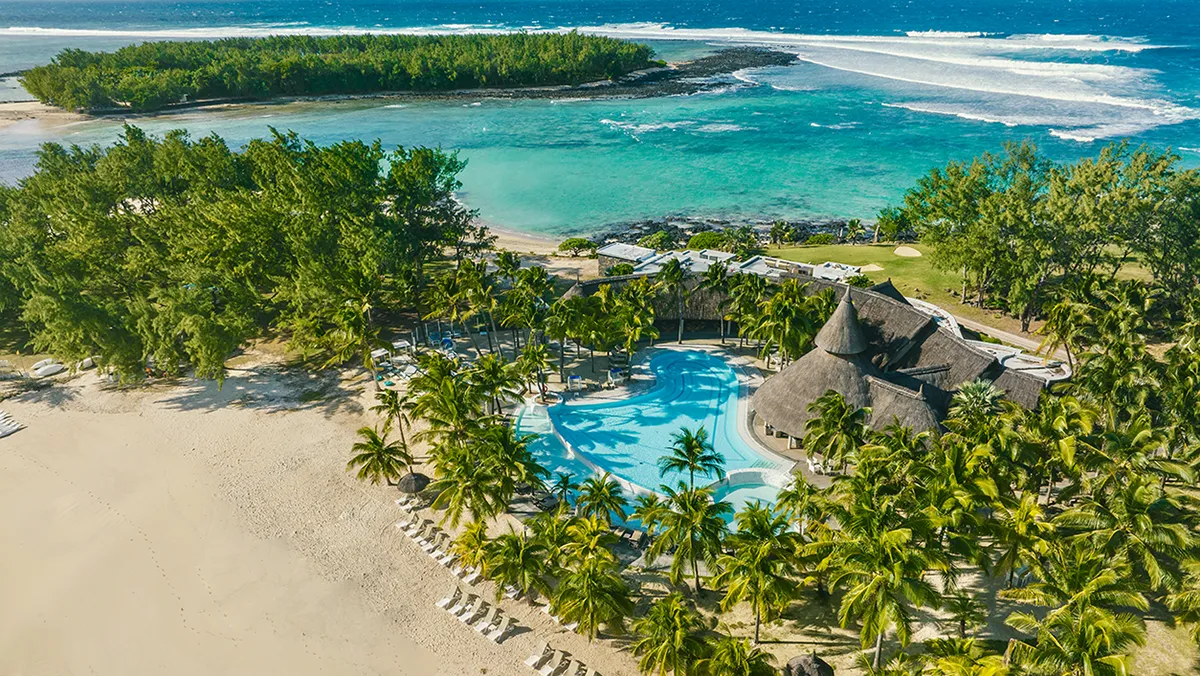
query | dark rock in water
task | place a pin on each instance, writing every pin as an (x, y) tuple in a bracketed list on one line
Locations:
[(682, 227)]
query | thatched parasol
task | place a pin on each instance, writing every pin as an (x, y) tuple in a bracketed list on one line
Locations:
[(412, 483), (808, 665)]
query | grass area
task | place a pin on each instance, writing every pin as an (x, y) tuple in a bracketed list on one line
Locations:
[(915, 277)]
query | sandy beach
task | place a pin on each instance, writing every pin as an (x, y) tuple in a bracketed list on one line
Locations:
[(181, 529)]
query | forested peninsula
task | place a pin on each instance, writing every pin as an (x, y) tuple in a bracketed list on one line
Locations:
[(156, 75)]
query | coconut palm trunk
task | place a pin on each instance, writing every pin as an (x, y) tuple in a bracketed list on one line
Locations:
[(679, 296)]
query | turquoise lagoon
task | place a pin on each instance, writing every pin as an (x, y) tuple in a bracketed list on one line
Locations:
[(626, 437)]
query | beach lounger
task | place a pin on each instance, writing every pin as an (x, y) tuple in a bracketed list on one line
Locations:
[(416, 527), (446, 558), (472, 616), (506, 625), (464, 604), (512, 592), (450, 600), (555, 664), (539, 656), (576, 668), (592, 672), (489, 621), (473, 577), (637, 539)]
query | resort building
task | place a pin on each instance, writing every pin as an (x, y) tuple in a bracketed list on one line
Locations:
[(878, 351), (648, 262)]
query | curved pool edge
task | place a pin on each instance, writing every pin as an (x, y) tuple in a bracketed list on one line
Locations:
[(777, 478)]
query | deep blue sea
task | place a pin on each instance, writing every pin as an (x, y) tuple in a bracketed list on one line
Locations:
[(881, 91)]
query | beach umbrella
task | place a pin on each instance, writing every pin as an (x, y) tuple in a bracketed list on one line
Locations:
[(808, 665), (412, 483)]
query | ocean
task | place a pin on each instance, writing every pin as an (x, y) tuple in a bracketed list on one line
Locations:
[(881, 91)]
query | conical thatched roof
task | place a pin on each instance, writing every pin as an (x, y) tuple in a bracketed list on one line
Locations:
[(782, 401), (808, 665), (412, 483), (843, 334)]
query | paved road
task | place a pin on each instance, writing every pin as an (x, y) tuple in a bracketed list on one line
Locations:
[(1028, 344)]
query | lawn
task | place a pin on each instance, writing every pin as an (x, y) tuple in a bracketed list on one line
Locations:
[(915, 277)]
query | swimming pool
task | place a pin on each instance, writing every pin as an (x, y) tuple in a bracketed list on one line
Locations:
[(626, 437)]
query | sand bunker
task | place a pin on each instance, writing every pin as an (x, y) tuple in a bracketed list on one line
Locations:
[(907, 252), (873, 268)]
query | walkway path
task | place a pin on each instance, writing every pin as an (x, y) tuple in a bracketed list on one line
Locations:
[(1015, 339)]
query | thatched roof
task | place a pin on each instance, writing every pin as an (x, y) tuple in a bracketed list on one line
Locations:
[(941, 348), (888, 289), (783, 400), (808, 665), (412, 483), (1023, 388), (891, 402), (842, 333)]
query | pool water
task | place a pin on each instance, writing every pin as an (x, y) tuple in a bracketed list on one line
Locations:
[(627, 437)]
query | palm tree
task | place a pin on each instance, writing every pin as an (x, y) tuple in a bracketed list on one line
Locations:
[(1185, 603), (692, 525), (1065, 322), (837, 430), (590, 538), (648, 510), (564, 487), (394, 408), (736, 657), (671, 279), (559, 324), (760, 568), (961, 657), (532, 363), (691, 452), (802, 502), (495, 379), (884, 575), (1075, 575), (377, 458), (512, 560), (601, 497), (635, 313), (1087, 641), (746, 293), (965, 612), (1053, 432), (668, 641), (594, 594), (508, 458), (716, 282), (466, 485), (1021, 535), (553, 530), (471, 545), (1139, 523)]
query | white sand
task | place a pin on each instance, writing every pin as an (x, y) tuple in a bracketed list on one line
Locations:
[(907, 252), (186, 530), (872, 268)]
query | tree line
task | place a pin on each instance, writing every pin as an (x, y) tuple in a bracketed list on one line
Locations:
[(157, 74), (1024, 231), (172, 253)]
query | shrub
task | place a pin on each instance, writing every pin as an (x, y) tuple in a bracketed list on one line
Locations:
[(821, 239), (577, 245), (860, 281), (657, 241), (619, 269), (709, 239)]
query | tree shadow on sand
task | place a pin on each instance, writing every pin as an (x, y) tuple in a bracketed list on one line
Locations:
[(271, 388)]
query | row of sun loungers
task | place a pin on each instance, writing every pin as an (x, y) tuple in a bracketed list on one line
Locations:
[(549, 662), (431, 539), (474, 611), (8, 425)]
